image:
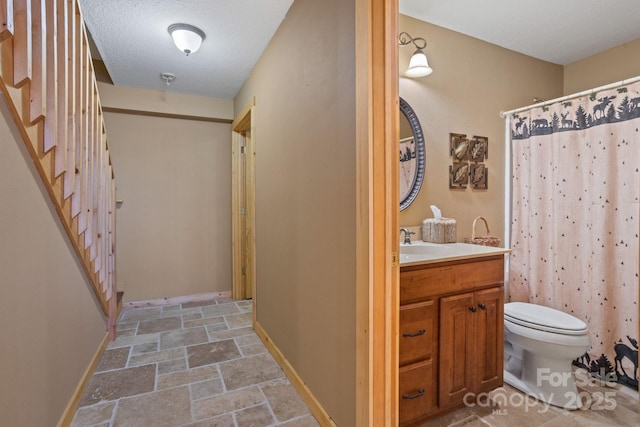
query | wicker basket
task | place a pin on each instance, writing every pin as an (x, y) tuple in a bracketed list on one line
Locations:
[(484, 241)]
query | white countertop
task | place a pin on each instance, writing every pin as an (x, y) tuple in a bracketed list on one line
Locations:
[(420, 252)]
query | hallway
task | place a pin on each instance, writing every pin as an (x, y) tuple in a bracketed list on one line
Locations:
[(193, 364)]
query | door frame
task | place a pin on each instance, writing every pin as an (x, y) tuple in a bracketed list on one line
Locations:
[(240, 177), (377, 211)]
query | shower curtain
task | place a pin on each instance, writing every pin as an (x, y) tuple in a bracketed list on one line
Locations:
[(575, 219)]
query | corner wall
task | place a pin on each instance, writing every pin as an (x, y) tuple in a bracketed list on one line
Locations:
[(619, 63), (472, 82), (304, 86), (51, 323)]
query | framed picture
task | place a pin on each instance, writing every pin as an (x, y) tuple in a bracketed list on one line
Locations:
[(459, 147), (478, 174), (478, 148), (458, 175)]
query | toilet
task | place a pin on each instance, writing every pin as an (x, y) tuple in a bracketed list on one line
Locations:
[(540, 344)]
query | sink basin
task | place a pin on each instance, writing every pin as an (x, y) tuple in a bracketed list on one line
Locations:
[(420, 252), (425, 249)]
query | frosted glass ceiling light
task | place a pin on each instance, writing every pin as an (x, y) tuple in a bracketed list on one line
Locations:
[(186, 37), (418, 65)]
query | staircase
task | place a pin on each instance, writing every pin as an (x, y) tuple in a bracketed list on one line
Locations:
[(48, 82)]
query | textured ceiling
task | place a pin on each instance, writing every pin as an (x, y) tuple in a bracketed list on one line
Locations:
[(558, 31), (132, 39)]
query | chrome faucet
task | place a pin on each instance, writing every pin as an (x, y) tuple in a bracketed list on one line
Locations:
[(407, 235)]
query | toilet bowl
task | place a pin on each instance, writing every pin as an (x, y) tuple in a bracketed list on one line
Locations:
[(540, 344)]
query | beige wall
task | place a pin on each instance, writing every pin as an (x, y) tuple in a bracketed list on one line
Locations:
[(161, 101), (174, 227), (621, 62), (472, 82), (304, 86), (51, 323)]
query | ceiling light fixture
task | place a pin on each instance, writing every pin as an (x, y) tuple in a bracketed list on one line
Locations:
[(168, 77), (186, 37), (418, 65)]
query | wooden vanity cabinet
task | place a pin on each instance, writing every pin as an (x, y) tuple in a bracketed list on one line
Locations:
[(471, 344), (450, 334)]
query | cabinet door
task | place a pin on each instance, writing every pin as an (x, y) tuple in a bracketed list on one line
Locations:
[(456, 336), (489, 344)]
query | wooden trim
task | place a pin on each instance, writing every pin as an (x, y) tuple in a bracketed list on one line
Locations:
[(322, 416), (72, 406), (377, 207), (159, 302), (242, 121), (165, 115), (241, 124), (236, 227)]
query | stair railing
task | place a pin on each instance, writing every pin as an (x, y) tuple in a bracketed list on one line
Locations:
[(48, 82)]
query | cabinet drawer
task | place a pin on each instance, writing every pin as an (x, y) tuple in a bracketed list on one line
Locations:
[(439, 279), (417, 331), (417, 391)]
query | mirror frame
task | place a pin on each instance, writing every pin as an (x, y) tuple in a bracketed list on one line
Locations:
[(418, 136)]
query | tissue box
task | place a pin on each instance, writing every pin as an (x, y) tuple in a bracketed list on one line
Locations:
[(441, 230)]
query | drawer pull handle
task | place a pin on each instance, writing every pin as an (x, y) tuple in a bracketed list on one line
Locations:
[(417, 334), (473, 308), (420, 393), (482, 306)]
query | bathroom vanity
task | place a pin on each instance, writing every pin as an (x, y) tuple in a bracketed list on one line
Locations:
[(451, 326)]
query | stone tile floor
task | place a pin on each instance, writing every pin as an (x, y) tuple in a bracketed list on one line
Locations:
[(193, 364), (201, 365), (508, 407)]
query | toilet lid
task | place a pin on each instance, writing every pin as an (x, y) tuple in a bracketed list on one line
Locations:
[(543, 318)]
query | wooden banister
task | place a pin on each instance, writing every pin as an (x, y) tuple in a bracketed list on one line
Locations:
[(51, 79), (72, 41), (38, 61), (61, 137), (48, 83), (6, 19), (21, 42)]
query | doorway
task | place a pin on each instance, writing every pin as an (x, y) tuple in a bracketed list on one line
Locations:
[(243, 204)]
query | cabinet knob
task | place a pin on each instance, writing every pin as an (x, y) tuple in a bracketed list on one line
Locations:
[(473, 308), (419, 393), (417, 334), (482, 306)]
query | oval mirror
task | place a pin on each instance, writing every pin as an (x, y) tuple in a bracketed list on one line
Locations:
[(412, 158)]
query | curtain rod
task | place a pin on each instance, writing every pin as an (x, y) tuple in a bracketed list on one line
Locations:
[(503, 114)]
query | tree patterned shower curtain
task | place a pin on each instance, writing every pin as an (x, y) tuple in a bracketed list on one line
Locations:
[(575, 219)]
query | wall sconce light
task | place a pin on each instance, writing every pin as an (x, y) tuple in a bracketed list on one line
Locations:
[(418, 65), (186, 37)]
